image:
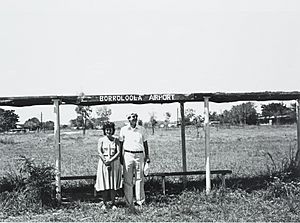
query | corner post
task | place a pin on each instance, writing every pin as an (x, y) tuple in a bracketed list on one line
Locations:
[(207, 145), (58, 150), (183, 142), (297, 158)]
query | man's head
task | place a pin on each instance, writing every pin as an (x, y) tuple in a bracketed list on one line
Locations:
[(132, 118)]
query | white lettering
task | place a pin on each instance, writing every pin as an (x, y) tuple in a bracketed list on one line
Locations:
[(152, 97), (165, 97)]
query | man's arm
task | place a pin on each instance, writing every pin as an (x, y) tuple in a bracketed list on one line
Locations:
[(121, 152), (147, 158)]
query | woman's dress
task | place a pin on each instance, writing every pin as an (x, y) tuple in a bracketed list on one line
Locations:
[(108, 177)]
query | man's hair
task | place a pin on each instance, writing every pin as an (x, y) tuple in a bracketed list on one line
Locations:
[(132, 114)]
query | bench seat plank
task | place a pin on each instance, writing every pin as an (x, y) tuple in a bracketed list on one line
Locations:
[(196, 172), (162, 175)]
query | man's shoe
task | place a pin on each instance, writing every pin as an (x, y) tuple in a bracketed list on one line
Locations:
[(132, 210), (136, 203)]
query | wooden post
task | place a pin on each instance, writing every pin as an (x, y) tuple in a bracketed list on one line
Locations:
[(58, 150), (297, 158), (183, 142), (163, 185), (207, 146)]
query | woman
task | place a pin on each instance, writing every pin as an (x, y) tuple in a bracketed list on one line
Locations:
[(109, 175)]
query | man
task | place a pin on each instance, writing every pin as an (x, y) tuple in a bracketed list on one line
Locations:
[(135, 152)]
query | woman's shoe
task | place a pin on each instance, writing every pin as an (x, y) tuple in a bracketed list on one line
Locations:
[(103, 206)]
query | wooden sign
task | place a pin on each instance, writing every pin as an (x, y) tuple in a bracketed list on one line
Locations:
[(218, 97)]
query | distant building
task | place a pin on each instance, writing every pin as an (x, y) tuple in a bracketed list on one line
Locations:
[(19, 129), (272, 120)]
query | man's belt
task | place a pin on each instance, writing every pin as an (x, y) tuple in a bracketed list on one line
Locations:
[(132, 151)]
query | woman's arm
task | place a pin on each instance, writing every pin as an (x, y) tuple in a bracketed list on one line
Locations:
[(117, 154), (100, 151)]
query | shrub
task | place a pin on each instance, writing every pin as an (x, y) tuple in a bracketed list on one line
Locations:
[(6, 141), (289, 191), (287, 168), (29, 189)]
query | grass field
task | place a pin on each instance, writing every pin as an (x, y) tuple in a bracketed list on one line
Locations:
[(251, 152)]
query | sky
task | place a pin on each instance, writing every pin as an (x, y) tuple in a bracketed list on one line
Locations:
[(57, 47)]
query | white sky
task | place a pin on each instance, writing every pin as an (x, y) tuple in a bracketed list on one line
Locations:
[(56, 47)]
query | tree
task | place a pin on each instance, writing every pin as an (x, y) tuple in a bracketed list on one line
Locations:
[(153, 121), (292, 112), (167, 119), (73, 123), (140, 122), (226, 117), (48, 125), (213, 116), (197, 121), (244, 113), (89, 124), (103, 114), (8, 120), (278, 110), (273, 109), (83, 113), (78, 122), (189, 115), (32, 124)]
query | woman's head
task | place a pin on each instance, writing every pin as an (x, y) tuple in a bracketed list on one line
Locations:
[(108, 126)]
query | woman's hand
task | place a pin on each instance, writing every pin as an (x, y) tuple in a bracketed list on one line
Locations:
[(107, 162)]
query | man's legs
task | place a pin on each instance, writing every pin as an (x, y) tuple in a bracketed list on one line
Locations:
[(128, 177), (139, 182)]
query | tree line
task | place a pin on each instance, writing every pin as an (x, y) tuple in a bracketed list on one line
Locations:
[(242, 114), (246, 114), (9, 120)]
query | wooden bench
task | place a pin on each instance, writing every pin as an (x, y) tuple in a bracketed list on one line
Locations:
[(188, 173), (86, 177), (223, 173)]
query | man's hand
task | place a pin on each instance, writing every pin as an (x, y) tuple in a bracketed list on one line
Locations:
[(147, 159)]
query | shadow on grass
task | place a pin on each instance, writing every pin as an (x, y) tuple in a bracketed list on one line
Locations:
[(174, 186)]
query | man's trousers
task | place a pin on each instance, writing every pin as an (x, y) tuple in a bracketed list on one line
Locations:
[(134, 166)]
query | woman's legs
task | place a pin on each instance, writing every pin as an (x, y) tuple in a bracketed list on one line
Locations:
[(113, 194), (105, 197)]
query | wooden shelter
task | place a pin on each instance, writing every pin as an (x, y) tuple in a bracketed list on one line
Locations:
[(217, 97)]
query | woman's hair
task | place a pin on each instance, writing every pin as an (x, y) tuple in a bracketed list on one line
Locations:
[(107, 125)]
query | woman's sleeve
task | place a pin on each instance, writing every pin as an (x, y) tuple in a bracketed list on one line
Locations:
[(100, 144)]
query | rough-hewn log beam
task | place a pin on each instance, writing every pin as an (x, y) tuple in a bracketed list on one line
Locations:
[(217, 97)]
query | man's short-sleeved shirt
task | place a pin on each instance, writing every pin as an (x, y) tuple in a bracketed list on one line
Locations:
[(133, 138)]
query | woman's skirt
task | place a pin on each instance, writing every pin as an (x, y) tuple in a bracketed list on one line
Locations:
[(109, 178)]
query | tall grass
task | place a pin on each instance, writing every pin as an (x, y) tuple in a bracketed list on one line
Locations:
[(261, 188), (29, 189), (7, 141)]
